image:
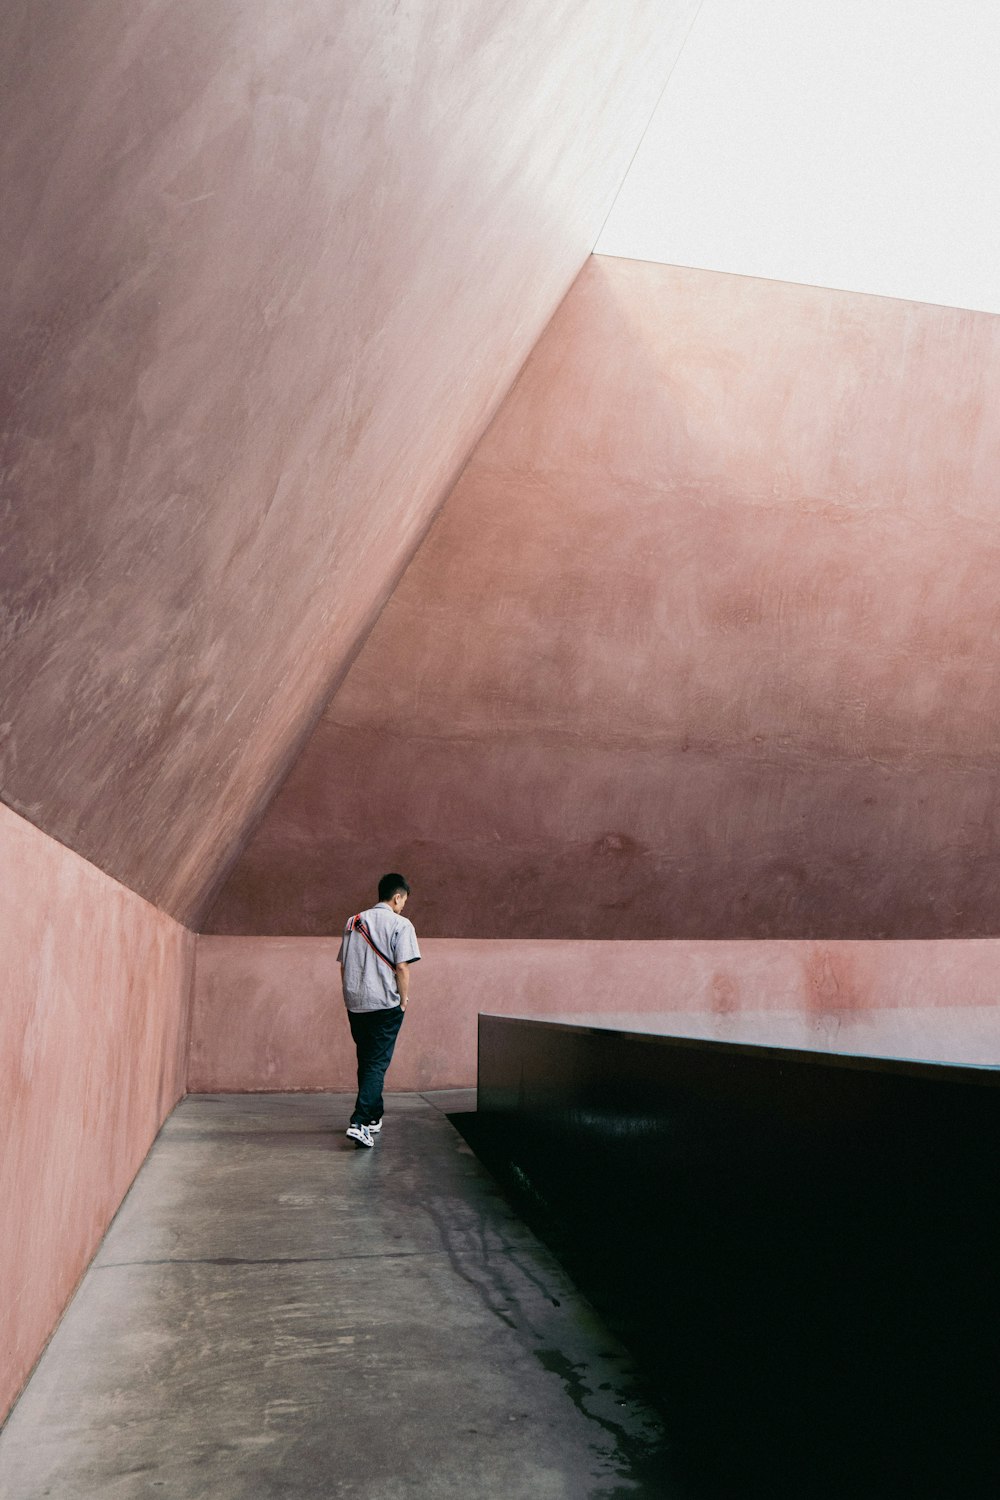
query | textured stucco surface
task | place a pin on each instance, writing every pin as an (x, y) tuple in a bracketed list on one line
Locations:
[(267, 1012), (703, 644), (93, 1044), (266, 271)]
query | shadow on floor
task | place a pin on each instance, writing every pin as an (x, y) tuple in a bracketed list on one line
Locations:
[(273, 1315)]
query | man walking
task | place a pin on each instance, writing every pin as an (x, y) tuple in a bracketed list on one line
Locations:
[(376, 951)]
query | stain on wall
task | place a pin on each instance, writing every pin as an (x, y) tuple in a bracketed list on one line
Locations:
[(93, 1056), (267, 1012), (265, 273), (702, 645)]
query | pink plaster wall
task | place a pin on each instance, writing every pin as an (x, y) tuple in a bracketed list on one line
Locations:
[(268, 1014), (702, 645), (93, 1036), (265, 273)]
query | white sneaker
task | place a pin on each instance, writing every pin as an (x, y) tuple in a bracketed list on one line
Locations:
[(374, 1126), (361, 1134)]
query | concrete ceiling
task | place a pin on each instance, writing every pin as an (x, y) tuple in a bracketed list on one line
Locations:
[(266, 271), (267, 274)]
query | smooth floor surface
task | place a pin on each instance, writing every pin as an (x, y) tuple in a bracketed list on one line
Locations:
[(275, 1312)]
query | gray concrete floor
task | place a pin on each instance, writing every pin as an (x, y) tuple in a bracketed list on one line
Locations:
[(275, 1312)]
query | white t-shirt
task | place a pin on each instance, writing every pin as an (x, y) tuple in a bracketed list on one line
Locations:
[(369, 983)]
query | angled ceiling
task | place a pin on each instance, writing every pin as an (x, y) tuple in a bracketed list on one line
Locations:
[(266, 271)]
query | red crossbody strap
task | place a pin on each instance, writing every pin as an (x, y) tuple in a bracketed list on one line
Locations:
[(358, 924)]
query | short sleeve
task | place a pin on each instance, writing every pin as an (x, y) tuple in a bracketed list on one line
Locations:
[(342, 950), (404, 948)]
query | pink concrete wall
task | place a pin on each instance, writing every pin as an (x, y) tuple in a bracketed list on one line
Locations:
[(93, 1035), (265, 272), (268, 1014), (702, 645)]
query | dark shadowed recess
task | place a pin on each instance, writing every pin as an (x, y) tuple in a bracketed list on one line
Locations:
[(799, 1250)]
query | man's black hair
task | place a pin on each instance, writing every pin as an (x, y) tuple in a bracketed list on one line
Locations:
[(389, 885)]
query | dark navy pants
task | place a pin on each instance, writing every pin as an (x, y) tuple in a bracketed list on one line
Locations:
[(374, 1033)]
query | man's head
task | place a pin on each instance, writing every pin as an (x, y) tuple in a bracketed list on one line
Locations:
[(393, 890)]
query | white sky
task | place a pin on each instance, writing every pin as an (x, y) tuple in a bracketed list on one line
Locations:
[(841, 143)]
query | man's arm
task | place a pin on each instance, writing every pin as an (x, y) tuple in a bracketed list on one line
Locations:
[(403, 983), (343, 980)]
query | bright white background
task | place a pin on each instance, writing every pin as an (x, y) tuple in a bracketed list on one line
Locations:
[(841, 143)]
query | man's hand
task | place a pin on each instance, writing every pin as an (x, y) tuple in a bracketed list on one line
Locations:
[(403, 983)]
